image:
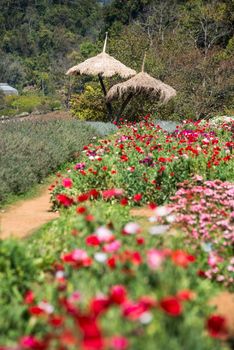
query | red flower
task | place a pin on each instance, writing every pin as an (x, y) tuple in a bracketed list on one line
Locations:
[(185, 295), (64, 200), (93, 193), (92, 240), (81, 210), (118, 294), (83, 197), (111, 262), (99, 305), (56, 320), (181, 258), (137, 197), (216, 326), (171, 305), (29, 297), (124, 201)]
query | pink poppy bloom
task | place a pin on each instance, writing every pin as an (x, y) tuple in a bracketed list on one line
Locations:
[(67, 182)]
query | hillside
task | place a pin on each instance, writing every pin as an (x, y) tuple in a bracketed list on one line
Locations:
[(190, 45)]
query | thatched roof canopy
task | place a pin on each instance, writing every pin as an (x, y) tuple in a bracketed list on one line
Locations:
[(142, 83), (103, 65)]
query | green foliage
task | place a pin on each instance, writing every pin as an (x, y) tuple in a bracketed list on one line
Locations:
[(17, 271), (32, 150), (90, 104), (13, 105)]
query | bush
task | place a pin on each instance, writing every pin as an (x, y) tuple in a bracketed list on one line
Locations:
[(90, 104), (33, 150)]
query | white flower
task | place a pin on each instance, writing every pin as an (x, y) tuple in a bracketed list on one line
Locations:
[(100, 257), (171, 218), (131, 228), (104, 234), (162, 211), (48, 308), (158, 230), (59, 274), (146, 318), (152, 219)]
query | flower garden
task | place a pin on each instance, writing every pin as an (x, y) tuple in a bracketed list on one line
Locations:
[(104, 276)]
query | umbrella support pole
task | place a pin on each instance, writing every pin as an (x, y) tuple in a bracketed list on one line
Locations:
[(108, 104), (124, 105)]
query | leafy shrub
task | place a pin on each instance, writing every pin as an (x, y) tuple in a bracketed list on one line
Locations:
[(103, 129), (90, 104), (32, 150)]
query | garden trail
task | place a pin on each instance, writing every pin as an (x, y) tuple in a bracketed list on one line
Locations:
[(22, 218)]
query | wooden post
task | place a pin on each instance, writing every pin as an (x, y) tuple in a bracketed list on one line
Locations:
[(124, 105), (108, 104)]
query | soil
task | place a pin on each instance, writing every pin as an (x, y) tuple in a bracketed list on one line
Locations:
[(224, 303), (22, 218)]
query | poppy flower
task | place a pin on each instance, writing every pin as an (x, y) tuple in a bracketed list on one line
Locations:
[(137, 197), (217, 327), (118, 294), (171, 306), (64, 200), (67, 182)]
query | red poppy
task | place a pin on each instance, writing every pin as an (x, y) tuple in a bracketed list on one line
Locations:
[(118, 294), (64, 200), (217, 327), (181, 258), (92, 240), (81, 210), (137, 197), (171, 305)]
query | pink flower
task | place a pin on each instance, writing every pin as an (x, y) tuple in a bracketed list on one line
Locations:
[(119, 343), (112, 193), (67, 182), (155, 258), (112, 247)]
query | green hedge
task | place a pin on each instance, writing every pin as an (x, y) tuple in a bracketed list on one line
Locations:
[(32, 150)]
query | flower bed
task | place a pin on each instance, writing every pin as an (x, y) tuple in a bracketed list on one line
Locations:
[(147, 163)]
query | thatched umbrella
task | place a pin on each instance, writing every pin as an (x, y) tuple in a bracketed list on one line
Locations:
[(103, 66), (142, 83)]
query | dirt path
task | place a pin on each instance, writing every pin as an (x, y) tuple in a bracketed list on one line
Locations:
[(22, 218)]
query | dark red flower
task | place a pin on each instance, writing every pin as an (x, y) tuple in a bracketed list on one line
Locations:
[(217, 327)]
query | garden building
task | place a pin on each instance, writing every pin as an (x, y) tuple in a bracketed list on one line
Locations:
[(7, 89)]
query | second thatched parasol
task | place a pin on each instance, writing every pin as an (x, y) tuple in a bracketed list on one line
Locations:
[(142, 83), (103, 66)]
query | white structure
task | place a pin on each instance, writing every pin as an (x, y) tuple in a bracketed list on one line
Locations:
[(7, 89)]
